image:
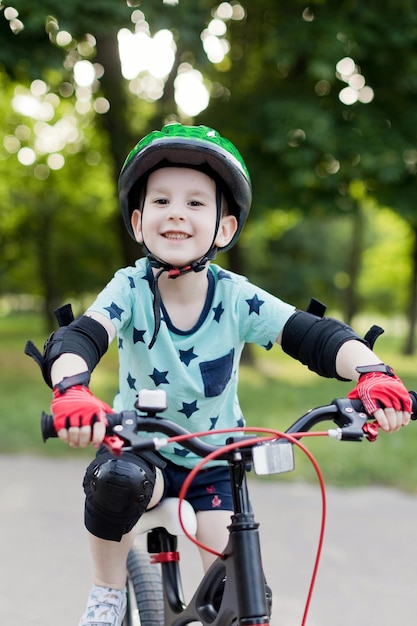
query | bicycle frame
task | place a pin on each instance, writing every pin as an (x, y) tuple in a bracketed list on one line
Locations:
[(239, 570)]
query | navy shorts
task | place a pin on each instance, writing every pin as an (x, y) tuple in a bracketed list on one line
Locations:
[(209, 491)]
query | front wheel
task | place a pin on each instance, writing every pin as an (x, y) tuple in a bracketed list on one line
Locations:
[(145, 605)]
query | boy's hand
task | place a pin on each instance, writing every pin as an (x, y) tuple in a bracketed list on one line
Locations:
[(79, 417), (384, 396)]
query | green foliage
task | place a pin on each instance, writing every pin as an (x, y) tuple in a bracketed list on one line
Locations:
[(309, 144), (298, 257), (58, 232), (29, 50), (301, 262), (386, 270)]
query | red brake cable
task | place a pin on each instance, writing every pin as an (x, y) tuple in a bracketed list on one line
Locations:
[(273, 434)]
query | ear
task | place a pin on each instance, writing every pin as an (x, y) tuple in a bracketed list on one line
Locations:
[(227, 228), (136, 221)]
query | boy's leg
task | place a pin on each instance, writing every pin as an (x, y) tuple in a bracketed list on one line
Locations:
[(106, 604), (109, 557), (109, 560), (212, 532)]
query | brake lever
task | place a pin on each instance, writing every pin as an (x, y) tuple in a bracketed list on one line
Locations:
[(122, 433), (352, 421), (125, 430), (114, 444)]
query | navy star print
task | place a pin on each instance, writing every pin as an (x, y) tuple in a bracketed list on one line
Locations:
[(255, 304), (222, 274), (114, 310), (131, 381), (213, 421), (159, 378), (181, 451), (188, 408), (218, 312), (138, 335), (186, 356)]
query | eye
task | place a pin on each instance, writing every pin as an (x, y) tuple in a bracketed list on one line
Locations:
[(161, 201), (195, 203)]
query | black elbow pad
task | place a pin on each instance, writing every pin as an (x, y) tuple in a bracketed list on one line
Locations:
[(315, 341), (83, 336)]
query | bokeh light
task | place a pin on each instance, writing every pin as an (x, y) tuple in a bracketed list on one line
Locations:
[(356, 91)]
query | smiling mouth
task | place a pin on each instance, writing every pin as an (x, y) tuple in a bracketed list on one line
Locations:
[(176, 236)]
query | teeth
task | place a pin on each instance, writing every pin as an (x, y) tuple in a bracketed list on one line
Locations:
[(175, 236)]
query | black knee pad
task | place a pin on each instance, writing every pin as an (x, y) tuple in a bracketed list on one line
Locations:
[(120, 486), (118, 492)]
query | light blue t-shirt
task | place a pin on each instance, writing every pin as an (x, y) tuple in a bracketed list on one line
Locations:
[(199, 368)]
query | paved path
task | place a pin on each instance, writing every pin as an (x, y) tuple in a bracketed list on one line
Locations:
[(368, 573)]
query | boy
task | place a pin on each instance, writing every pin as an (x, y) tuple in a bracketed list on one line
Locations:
[(181, 324)]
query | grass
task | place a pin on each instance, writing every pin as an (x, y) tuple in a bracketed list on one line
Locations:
[(273, 394)]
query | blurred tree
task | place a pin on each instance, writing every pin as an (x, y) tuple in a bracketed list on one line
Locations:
[(56, 230), (323, 96), (319, 98), (63, 34), (43, 46)]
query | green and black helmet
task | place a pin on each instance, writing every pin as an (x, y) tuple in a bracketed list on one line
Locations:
[(199, 147)]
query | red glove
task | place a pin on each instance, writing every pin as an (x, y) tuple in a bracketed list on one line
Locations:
[(379, 389), (77, 407)]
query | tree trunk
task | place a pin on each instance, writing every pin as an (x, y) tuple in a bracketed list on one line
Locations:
[(410, 342), (351, 302), (43, 236), (116, 126)]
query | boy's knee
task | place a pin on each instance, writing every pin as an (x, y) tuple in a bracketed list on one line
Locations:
[(118, 493)]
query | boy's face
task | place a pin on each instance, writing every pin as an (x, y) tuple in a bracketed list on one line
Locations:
[(178, 219)]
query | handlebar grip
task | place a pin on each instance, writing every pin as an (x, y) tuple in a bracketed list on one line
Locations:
[(358, 406), (413, 398), (48, 428)]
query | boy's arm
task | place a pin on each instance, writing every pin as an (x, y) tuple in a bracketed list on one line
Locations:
[(69, 356), (77, 401), (381, 392), (332, 349), (351, 355), (69, 364)]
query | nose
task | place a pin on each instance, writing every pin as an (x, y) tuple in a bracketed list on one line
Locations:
[(176, 212)]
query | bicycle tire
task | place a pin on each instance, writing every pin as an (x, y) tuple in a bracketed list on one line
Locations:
[(146, 582), (131, 617)]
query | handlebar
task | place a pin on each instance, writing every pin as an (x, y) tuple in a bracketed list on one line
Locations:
[(349, 417)]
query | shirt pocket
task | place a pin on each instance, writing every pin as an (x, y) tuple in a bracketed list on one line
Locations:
[(216, 374)]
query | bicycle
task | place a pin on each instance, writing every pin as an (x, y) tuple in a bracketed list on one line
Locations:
[(233, 590)]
